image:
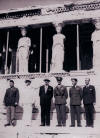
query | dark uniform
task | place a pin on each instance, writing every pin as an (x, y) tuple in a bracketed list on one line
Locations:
[(75, 94), (60, 94), (88, 99), (11, 98), (45, 103)]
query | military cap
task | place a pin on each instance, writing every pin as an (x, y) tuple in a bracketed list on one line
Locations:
[(27, 81), (12, 81), (74, 79), (47, 80)]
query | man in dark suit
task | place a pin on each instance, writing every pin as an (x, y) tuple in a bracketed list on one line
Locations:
[(11, 100), (46, 94), (89, 99), (60, 95), (75, 94)]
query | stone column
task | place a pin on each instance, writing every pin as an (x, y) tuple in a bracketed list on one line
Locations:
[(57, 50), (96, 46)]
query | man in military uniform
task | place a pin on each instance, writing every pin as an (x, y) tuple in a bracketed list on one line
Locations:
[(46, 94), (89, 99), (60, 95), (11, 100), (28, 100), (75, 94)]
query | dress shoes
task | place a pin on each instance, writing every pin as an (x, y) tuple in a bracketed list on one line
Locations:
[(42, 125), (72, 125), (59, 125), (48, 125), (79, 126), (8, 124), (89, 126), (92, 126)]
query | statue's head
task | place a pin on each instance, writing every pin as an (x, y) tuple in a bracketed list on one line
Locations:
[(23, 31), (58, 28)]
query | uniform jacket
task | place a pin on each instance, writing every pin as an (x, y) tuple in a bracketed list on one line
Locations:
[(89, 95), (11, 96), (60, 94), (27, 95), (45, 97), (75, 94)]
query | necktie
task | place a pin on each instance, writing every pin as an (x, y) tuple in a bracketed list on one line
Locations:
[(87, 86), (46, 87)]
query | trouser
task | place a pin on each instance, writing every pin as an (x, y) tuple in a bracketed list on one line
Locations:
[(61, 114), (10, 114), (27, 114), (45, 114), (75, 112), (89, 110)]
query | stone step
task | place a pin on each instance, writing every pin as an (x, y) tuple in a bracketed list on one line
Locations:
[(35, 131), (50, 136), (49, 132)]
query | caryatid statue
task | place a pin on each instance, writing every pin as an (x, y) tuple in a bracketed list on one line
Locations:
[(24, 44), (57, 51), (96, 46)]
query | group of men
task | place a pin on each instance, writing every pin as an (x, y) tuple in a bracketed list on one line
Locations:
[(60, 93)]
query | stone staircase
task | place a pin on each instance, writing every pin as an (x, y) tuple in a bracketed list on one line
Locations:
[(36, 131)]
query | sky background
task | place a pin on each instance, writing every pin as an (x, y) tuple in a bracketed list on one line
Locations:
[(9, 4)]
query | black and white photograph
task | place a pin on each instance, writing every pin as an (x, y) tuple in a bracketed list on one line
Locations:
[(49, 68)]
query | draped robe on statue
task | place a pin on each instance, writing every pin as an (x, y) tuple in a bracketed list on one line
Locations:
[(57, 53), (23, 54)]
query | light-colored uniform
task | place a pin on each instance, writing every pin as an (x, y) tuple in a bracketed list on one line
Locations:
[(57, 53), (23, 54), (27, 99)]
